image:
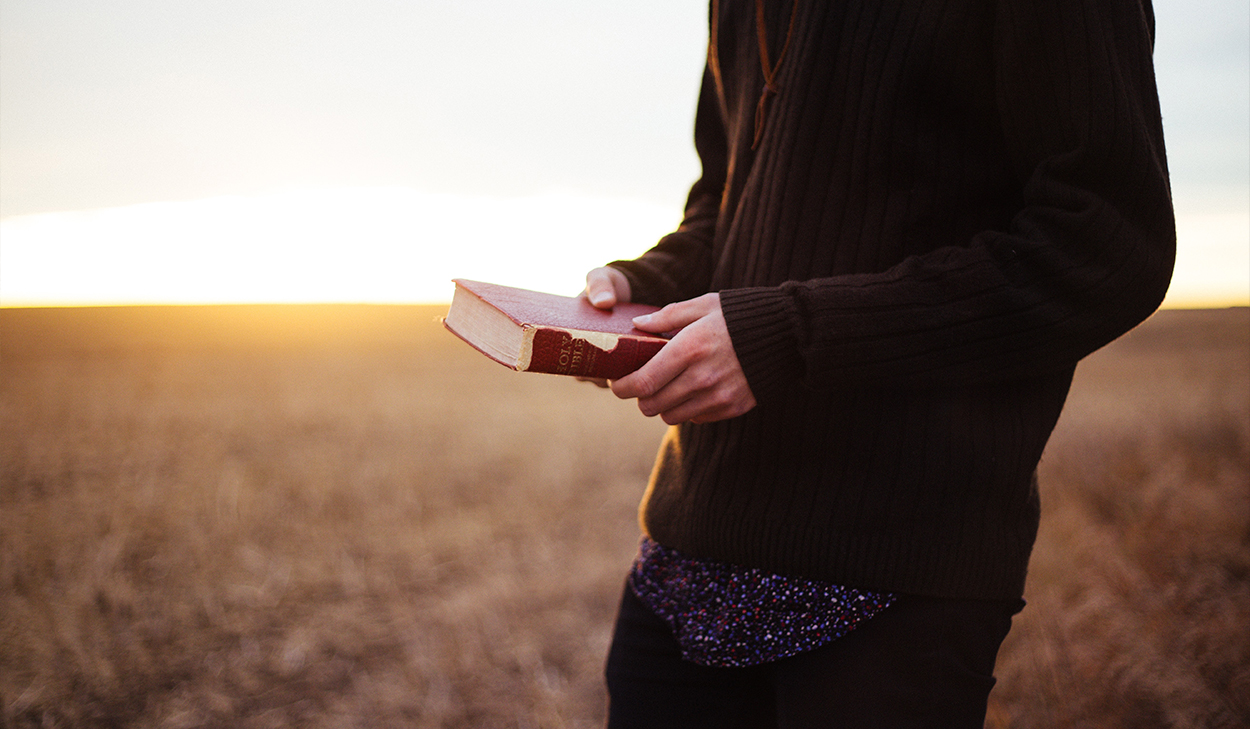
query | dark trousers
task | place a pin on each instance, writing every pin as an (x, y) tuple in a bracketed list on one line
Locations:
[(922, 662)]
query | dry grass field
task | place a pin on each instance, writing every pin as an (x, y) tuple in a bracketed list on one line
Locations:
[(343, 517)]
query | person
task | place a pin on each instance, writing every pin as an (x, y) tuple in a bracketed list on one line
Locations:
[(913, 220)]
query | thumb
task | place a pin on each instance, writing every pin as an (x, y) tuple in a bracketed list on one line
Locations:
[(606, 287), (679, 315)]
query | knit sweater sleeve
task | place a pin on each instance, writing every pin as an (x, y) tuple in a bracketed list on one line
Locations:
[(679, 267), (1088, 255)]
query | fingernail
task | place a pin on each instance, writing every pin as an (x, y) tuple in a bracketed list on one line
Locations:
[(599, 297), (642, 319)]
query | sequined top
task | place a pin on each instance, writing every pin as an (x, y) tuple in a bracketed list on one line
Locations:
[(724, 615)]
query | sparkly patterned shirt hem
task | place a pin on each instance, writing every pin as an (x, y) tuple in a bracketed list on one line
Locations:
[(729, 616)]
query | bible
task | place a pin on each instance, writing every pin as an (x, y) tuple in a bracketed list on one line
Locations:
[(530, 331)]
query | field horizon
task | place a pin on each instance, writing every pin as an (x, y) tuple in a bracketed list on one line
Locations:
[(330, 515)]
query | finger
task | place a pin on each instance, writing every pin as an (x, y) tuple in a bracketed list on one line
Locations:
[(696, 391), (596, 381), (693, 410), (677, 316), (723, 402), (675, 403), (651, 378), (606, 287)]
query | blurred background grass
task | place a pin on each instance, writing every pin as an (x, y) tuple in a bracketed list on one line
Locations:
[(341, 516)]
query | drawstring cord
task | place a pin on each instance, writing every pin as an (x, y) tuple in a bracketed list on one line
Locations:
[(770, 70)]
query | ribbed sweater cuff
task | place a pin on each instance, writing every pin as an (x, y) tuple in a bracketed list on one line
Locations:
[(761, 326)]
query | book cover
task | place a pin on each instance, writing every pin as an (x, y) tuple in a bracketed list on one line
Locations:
[(530, 331)]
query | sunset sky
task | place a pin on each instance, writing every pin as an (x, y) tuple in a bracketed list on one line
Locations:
[(274, 150)]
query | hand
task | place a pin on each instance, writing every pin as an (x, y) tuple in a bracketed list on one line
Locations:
[(605, 287), (696, 377)]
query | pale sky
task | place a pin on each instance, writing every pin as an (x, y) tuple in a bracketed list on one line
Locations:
[(262, 150)]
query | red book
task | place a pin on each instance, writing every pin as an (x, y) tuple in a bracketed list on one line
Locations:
[(561, 335)]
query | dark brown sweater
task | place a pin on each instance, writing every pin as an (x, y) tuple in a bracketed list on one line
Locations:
[(953, 201)]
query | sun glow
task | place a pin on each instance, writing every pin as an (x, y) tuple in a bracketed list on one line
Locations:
[(398, 245), (370, 245), (1212, 261)]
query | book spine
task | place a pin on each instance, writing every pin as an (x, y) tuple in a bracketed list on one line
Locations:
[(559, 353)]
